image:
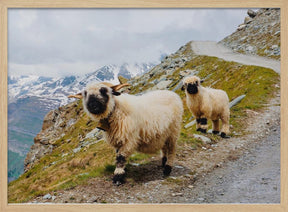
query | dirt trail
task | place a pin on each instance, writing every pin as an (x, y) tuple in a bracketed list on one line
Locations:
[(212, 48), (253, 178)]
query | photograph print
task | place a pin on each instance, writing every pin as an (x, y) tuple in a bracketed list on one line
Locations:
[(144, 106)]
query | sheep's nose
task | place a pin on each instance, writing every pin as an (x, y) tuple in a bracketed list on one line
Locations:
[(192, 88), (94, 105)]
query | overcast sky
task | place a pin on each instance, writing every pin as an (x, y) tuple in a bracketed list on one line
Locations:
[(59, 42)]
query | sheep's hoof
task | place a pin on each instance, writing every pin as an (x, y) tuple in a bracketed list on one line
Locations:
[(167, 170), (215, 132), (119, 179), (223, 135), (164, 160), (201, 130)]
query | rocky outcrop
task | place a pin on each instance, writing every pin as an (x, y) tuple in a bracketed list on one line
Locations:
[(161, 76), (55, 124), (258, 35), (251, 13)]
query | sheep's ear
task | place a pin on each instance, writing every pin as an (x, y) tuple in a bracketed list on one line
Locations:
[(118, 87), (77, 96)]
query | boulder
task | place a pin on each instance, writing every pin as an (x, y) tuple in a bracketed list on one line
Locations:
[(251, 13), (275, 47), (163, 84), (277, 33), (250, 48), (241, 27), (178, 86), (47, 196), (236, 100), (204, 139), (247, 20)]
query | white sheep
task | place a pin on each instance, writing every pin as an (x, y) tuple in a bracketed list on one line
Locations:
[(146, 123), (207, 103)]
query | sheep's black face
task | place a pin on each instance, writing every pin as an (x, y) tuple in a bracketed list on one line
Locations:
[(97, 104), (192, 88)]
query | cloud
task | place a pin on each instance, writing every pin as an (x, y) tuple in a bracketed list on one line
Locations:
[(61, 41)]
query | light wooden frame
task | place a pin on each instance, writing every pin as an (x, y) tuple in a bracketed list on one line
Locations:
[(6, 4)]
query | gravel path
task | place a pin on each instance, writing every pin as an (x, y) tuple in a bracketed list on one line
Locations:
[(212, 48), (253, 178)]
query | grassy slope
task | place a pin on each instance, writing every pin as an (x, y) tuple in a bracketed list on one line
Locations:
[(64, 169)]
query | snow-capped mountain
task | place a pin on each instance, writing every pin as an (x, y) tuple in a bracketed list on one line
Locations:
[(57, 89)]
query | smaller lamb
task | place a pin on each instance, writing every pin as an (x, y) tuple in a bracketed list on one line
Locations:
[(207, 103)]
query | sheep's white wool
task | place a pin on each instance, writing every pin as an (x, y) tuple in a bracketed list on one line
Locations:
[(146, 123), (148, 119), (209, 103), (119, 171)]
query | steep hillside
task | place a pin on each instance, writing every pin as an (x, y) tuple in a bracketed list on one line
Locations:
[(69, 151), (258, 35)]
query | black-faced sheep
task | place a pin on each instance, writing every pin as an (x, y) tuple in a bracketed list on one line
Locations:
[(207, 103), (146, 123)]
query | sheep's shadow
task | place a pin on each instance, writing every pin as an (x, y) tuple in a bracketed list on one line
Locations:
[(153, 171)]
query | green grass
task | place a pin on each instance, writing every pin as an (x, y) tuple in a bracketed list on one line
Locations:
[(139, 158)]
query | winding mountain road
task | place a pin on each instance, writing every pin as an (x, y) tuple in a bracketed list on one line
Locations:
[(255, 176), (212, 48)]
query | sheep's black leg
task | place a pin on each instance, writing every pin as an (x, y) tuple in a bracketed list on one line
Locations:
[(216, 129), (165, 153), (167, 168), (203, 125), (164, 160), (166, 150), (198, 124), (171, 148), (119, 173)]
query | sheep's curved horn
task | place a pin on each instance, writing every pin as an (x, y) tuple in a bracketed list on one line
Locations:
[(77, 96), (118, 87)]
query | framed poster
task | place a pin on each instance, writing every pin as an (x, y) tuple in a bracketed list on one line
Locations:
[(154, 45)]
